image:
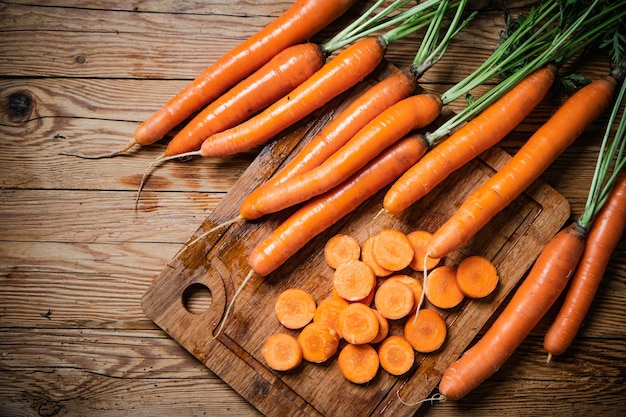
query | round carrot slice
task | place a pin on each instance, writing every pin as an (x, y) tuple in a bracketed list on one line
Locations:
[(441, 287), (394, 300), (383, 328), (392, 250), (368, 257), (353, 280), (413, 284), (294, 308), (341, 248), (426, 332), (282, 352), (396, 355), (328, 312), (358, 324), (318, 342), (476, 276), (358, 363), (419, 240)]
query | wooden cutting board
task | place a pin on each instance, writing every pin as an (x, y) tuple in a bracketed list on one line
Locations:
[(218, 264)]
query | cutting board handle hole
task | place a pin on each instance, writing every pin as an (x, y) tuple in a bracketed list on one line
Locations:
[(197, 298)]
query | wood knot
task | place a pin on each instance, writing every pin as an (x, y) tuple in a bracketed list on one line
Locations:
[(20, 106)]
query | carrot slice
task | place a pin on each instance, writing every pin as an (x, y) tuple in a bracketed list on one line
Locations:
[(426, 332), (442, 289), (358, 324), (368, 257), (413, 284), (328, 311), (354, 280), (394, 299), (282, 352), (358, 363), (383, 328), (476, 276), (341, 248), (419, 240), (396, 355), (294, 308), (392, 250), (319, 342)]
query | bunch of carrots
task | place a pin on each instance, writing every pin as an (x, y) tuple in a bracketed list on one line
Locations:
[(277, 77)]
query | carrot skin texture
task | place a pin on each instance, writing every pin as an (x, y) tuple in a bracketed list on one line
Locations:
[(384, 130), (325, 210), (341, 129), (533, 158), (604, 235), (335, 77), (302, 20), (288, 69), (539, 290), (470, 140)]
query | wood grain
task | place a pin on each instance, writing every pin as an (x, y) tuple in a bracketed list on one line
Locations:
[(75, 260)]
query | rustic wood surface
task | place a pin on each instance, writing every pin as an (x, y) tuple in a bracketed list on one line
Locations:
[(76, 259)]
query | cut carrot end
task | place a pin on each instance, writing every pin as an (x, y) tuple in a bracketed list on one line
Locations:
[(341, 248), (413, 284), (358, 324), (394, 299), (282, 352), (427, 332), (318, 342), (419, 240), (441, 288), (396, 355), (392, 250), (353, 280), (294, 308), (476, 276), (358, 363), (328, 311)]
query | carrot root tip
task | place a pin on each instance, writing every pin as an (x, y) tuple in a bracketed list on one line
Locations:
[(440, 398), (549, 358), (103, 155), (232, 303)]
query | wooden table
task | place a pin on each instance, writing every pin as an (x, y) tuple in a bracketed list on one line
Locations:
[(76, 259)]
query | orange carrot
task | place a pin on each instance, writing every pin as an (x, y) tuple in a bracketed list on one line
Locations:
[(302, 20), (469, 141), (319, 342), (426, 332), (394, 299), (341, 248), (533, 158), (358, 324), (539, 290), (328, 311), (396, 355), (353, 280), (604, 235), (392, 250), (325, 210), (413, 284), (476, 276), (294, 308), (367, 256), (383, 328), (282, 352), (384, 130), (419, 240), (358, 363), (441, 287)]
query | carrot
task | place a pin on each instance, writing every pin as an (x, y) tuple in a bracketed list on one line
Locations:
[(441, 287), (396, 355), (358, 324), (367, 256), (604, 216), (282, 352), (530, 302), (294, 308), (325, 210), (532, 159), (476, 276), (367, 300), (426, 332), (341, 248), (353, 280), (319, 342), (419, 240), (358, 363), (394, 299), (328, 311), (414, 285), (392, 249), (383, 328)]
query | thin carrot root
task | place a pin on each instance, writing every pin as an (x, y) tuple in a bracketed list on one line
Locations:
[(294, 308), (435, 397), (420, 239), (125, 149), (341, 248), (319, 342), (476, 276), (358, 363), (442, 289), (282, 352), (232, 303), (427, 332)]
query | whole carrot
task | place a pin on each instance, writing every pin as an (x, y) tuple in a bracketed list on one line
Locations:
[(604, 235), (532, 159), (325, 210), (531, 301)]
